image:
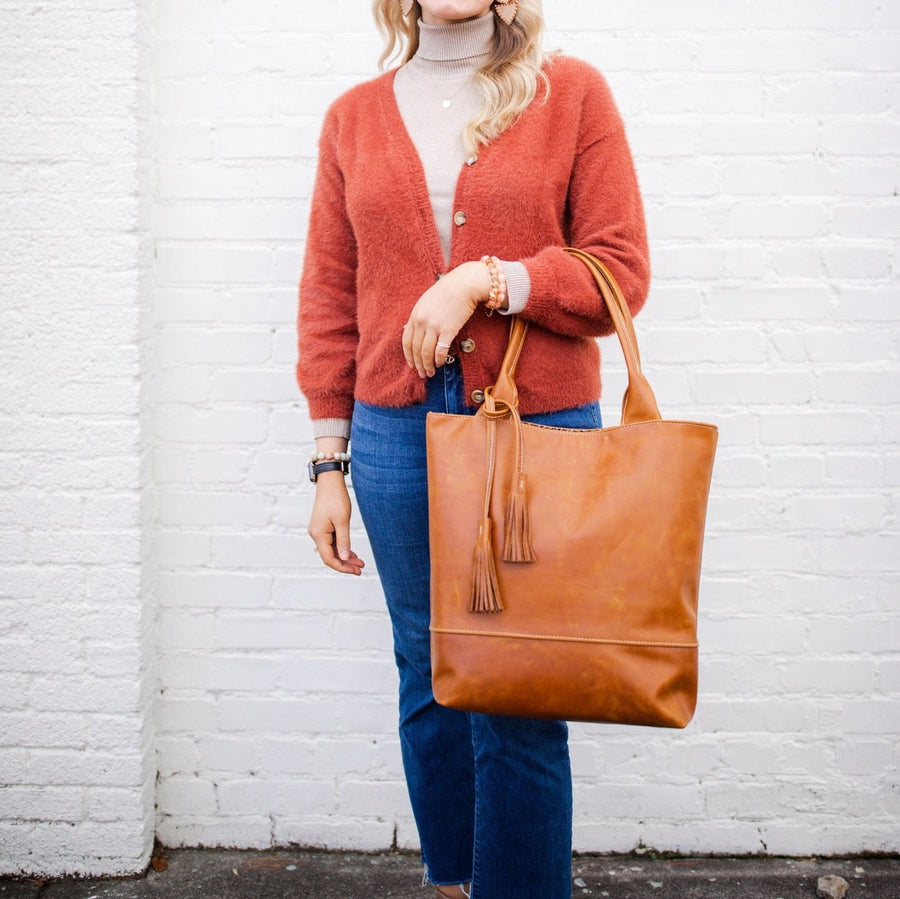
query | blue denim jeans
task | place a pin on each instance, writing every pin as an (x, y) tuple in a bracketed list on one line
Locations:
[(491, 795)]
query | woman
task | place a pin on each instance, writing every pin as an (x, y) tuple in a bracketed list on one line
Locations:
[(446, 190)]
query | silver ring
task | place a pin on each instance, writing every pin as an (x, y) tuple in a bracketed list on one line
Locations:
[(443, 346)]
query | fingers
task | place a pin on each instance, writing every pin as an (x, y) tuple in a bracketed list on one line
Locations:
[(425, 361), (341, 540), (415, 342), (331, 554), (425, 349), (407, 344), (441, 350)]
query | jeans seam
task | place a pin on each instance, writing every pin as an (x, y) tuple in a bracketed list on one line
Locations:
[(475, 830)]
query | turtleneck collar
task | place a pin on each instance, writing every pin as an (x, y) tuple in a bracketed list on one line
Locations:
[(454, 44)]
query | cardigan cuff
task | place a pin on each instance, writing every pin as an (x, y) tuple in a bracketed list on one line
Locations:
[(331, 427), (518, 287)]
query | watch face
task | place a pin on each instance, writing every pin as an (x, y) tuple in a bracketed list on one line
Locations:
[(312, 472)]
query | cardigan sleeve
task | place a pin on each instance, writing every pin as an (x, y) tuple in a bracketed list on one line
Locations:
[(326, 320), (605, 217)]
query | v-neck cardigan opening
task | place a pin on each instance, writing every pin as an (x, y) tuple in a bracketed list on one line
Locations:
[(406, 149)]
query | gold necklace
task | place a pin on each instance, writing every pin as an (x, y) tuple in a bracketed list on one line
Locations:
[(446, 101)]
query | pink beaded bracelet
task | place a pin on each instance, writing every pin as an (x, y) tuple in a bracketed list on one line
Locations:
[(497, 296)]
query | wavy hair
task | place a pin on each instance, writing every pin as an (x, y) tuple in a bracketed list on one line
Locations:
[(508, 80)]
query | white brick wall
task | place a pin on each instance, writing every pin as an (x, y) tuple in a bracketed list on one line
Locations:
[(765, 137), (277, 714), (76, 616)]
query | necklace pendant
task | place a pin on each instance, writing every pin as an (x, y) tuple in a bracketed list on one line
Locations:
[(447, 104)]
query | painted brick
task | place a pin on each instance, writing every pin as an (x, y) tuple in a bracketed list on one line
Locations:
[(755, 303), (49, 693), (853, 468), (284, 755), (277, 796), (212, 589), (235, 755), (215, 672), (237, 425), (374, 798), (177, 755), (360, 834), (798, 428), (185, 345), (190, 714), (235, 831), (872, 716), (839, 512), (187, 795)]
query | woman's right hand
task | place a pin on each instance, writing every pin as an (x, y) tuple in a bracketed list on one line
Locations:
[(439, 314), (329, 524)]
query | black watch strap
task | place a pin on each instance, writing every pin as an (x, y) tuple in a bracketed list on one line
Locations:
[(316, 468)]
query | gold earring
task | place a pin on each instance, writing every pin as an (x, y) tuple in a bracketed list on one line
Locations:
[(406, 7), (506, 9)]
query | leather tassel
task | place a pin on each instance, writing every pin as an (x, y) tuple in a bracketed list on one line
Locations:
[(485, 596), (517, 537)]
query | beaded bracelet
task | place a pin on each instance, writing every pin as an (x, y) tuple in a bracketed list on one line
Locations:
[(319, 462), (497, 296), (329, 457)]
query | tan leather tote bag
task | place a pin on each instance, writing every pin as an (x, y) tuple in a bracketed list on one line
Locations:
[(579, 599)]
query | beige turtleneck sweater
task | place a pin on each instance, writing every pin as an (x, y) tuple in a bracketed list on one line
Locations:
[(441, 70)]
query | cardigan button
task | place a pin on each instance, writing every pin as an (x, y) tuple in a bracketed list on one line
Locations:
[(459, 217), (467, 345), (472, 160), (477, 396)]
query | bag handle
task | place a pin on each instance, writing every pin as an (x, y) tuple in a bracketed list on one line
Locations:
[(504, 390), (501, 401), (639, 402)]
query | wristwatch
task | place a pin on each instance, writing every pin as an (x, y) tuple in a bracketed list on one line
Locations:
[(316, 468)]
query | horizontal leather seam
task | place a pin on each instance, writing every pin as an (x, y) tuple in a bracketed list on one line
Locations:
[(567, 639), (611, 428)]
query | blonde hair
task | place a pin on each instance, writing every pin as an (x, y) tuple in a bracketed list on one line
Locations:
[(508, 80)]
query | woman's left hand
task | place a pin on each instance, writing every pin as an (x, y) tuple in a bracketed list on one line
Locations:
[(440, 313)]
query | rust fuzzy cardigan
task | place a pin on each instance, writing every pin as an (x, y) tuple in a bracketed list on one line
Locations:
[(562, 175)]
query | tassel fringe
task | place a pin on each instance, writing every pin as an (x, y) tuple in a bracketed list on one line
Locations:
[(517, 538), (485, 596)]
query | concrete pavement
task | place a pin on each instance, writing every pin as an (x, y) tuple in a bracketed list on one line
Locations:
[(285, 874)]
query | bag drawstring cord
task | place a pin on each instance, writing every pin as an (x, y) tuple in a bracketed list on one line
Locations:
[(517, 546)]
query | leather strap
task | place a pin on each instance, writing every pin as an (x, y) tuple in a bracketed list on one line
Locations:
[(638, 403), (504, 390), (316, 468)]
